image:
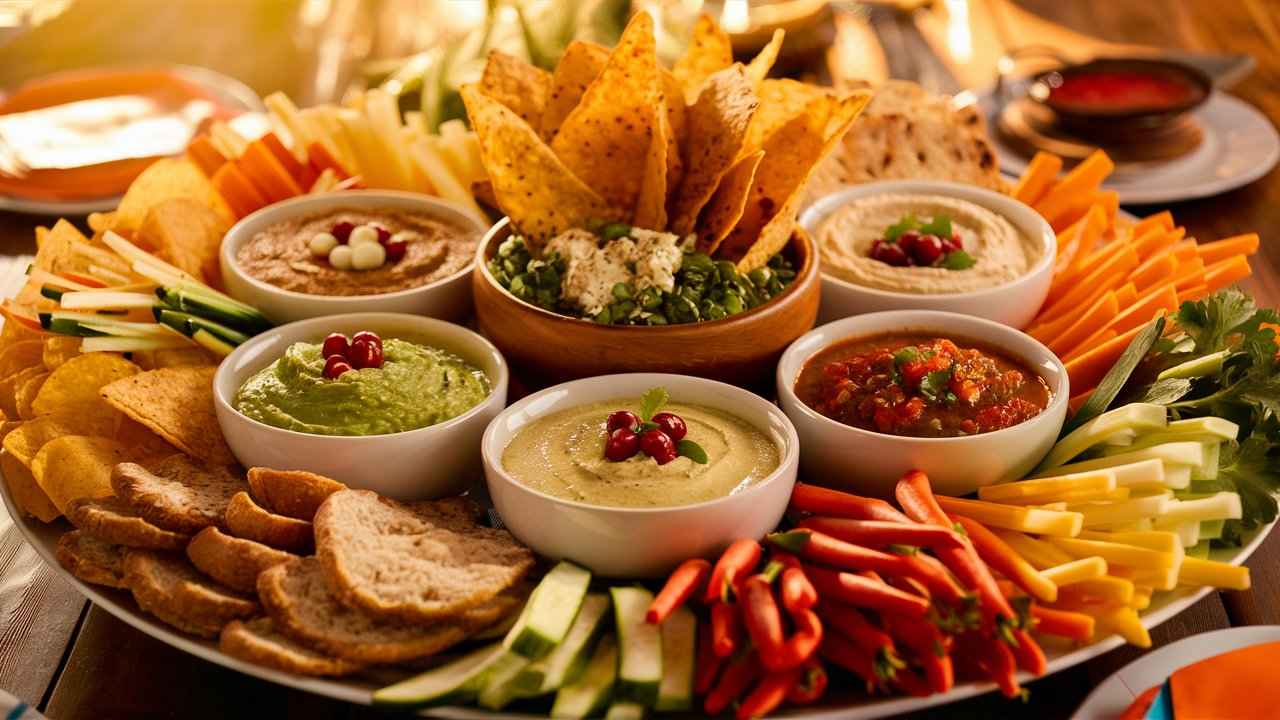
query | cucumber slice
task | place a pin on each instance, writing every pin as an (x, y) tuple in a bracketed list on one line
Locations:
[(1136, 417), (131, 344), (212, 343), (552, 608), (214, 308), (588, 695), (566, 662), (625, 710), (1211, 529), (640, 646), (1200, 550), (97, 299), (1201, 366), (453, 682), (1178, 453), (1208, 470), (679, 647), (502, 683)]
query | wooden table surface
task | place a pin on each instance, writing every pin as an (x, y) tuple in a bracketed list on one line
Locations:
[(73, 660)]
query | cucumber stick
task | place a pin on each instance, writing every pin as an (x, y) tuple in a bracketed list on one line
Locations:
[(566, 662), (679, 646), (588, 695), (639, 646), (452, 682), (502, 684), (551, 611), (625, 710)]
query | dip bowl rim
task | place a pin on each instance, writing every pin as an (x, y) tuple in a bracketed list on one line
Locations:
[(813, 217), (1198, 80), (237, 235), (798, 355), (788, 462), (227, 370)]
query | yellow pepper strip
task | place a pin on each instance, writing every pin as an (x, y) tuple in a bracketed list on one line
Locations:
[(1075, 571), (1118, 553), (1141, 597), (1165, 579), (1158, 540), (1126, 623), (1017, 492), (1213, 574), (1039, 553), (1107, 590), (1002, 558), (1009, 517), (1112, 495)]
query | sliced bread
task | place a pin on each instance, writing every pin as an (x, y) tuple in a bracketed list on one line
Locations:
[(90, 559), (112, 520), (246, 519), (259, 641), (178, 493), (293, 493), (168, 587), (232, 561)]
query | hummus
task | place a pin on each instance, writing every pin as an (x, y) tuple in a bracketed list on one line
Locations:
[(1002, 252), (416, 386), (562, 455), (280, 256)]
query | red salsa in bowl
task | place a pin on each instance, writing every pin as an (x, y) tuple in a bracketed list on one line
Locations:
[(921, 385)]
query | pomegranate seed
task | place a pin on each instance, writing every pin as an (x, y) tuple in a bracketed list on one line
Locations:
[(671, 424), (335, 366), (335, 345), (658, 445), (622, 419), (621, 445), (383, 234), (908, 240), (342, 231), (396, 250), (890, 254), (928, 250), (951, 244)]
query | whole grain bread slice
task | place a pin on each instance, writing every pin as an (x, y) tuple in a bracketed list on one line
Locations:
[(90, 559), (299, 600), (417, 562), (259, 641), (234, 562), (112, 520), (178, 493), (292, 493), (168, 587), (246, 519)]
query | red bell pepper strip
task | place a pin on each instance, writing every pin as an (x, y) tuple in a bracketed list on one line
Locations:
[(685, 580), (879, 533), (797, 592), (866, 593), (762, 618), (1028, 653), (838, 649), (769, 694), (709, 663), (733, 566), (812, 684), (726, 628), (822, 548), (1062, 623), (824, 501), (734, 681), (869, 638)]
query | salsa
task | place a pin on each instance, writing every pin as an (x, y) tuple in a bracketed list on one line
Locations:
[(1120, 91), (921, 385)]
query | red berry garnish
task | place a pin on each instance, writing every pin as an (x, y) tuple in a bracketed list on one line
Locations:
[(908, 240), (622, 419), (951, 244), (334, 345), (335, 366), (621, 445), (367, 337), (658, 445), (396, 250), (889, 254), (342, 231), (383, 234), (365, 354), (927, 251), (671, 424)]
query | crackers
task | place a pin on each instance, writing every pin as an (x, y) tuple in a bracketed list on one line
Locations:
[(91, 559), (259, 641), (234, 562), (112, 520), (293, 493), (246, 519), (168, 587), (178, 493)]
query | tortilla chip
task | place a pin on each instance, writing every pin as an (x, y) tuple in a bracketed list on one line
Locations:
[(718, 124), (173, 357), (522, 87), (605, 140), (578, 67), (77, 466), (20, 356), (25, 394), (677, 128), (143, 444), (8, 426), (709, 52), (163, 180), (790, 155), (9, 389), (24, 442), (762, 63), (25, 491), (780, 100), (14, 332), (186, 234), (726, 205), (530, 184), (100, 222), (58, 349), (651, 205), (177, 405), (74, 386)]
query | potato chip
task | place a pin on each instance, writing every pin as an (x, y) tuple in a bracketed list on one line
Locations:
[(14, 332), (25, 491), (780, 100), (718, 124), (58, 349), (709, 52), (9, 389), (530, 184), (605, 140), (143, 444), (162, 180), (522, 87), (725, 207), (762, 63), (100, 222), (578, 67), (651, 205), (74, 386), (20, 356), (24, 442), (8, 426), (177, 405), (77, 466), (186, 234), (25, 393)]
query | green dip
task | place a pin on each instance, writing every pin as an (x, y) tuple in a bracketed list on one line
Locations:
[(416, 386)]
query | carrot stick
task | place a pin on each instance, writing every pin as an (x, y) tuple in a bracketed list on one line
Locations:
[(733, 682), (878, 534), (1028, 653), (235, 188), (709, 663), (1110, 202), (1089, 343), (738, 560), (1067, 238), (1040, 173), (1225, 272), (1185, 250), (1096, 317), (1109, 274), (825, 501), (1082, 179), (1162, 219), (1070, 266), (796, 590), (1213, 252), (1087, 370), (821, 548), (1106, 200), (1189, 274), (1198, 292), (1004, 560), (1153, 270), (1063, 623), (1126, 295), (864, 593), (267, 174), (930, 647), (304, 174), (1144, 309), (1080, 399), (685, 580), (1156, 240), (205, 155), (320, 159)]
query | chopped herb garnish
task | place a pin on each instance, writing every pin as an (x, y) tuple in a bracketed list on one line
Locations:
[(905, 225), (958, 260)]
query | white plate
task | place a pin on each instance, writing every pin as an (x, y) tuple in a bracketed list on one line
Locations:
[(1240, 145), (1118, 692), (359, 689)]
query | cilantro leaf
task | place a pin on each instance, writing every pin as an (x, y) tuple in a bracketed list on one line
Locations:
[(1254, 473), (906, 224), (1208, 322), (940, 225), (652, 400), (692, 450), (958, 260), (934, 385), (908, 354)]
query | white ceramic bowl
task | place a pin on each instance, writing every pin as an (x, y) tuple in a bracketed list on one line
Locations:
[(1013, 303), (871, 463), (426, 463), (448, 298), (638, 542)]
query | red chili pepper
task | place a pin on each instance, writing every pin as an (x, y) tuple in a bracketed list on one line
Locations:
[(928, 645), (762, 618), (802, 644), (734, 681), (869, 638), (737, 561), (812, 684), (879, 533), (797, 592), (841, 651), (864, 592), (1028, 653), (726, 628), (912, 684), (824, 501), (992, 657), (769, 694), (822, 548), (709, 663), (915, 495), (685, 580)]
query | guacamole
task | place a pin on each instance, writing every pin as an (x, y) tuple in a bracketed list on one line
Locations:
[(416, 386)]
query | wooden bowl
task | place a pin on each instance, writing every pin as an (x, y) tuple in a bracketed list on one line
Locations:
[(544, 348)]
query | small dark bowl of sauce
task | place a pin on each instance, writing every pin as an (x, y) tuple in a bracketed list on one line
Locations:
[(1120, 95)]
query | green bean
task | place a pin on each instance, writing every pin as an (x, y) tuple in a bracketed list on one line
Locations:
[(613, 231), (621, 291)]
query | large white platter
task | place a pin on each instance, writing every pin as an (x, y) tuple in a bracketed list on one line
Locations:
[(359, 689)]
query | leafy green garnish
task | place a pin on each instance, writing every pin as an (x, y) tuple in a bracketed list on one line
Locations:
[(1254, 473), (905, 355), (934, 385), (958, 260), (1116, 377), (692, 450), (905, 225), (1208, 322), (940, 225), (652, 401)]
